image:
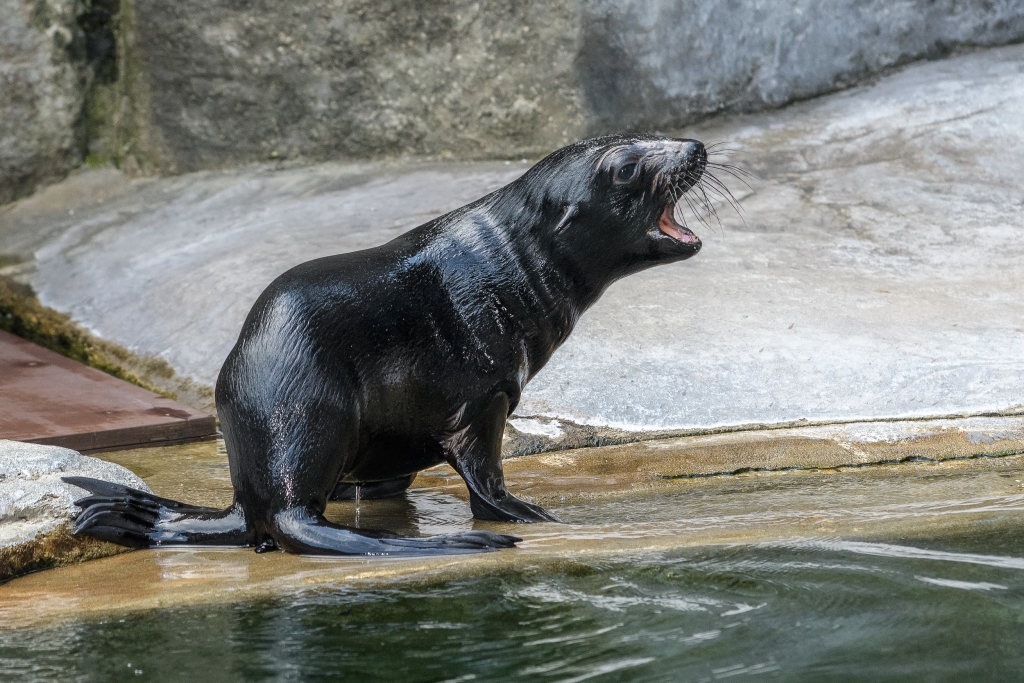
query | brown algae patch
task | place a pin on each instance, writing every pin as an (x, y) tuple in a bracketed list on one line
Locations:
[(55, 548)]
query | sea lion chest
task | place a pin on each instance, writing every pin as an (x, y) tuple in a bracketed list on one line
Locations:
[(418, 331)]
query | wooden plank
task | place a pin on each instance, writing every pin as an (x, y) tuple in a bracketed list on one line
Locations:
[(49, 399)]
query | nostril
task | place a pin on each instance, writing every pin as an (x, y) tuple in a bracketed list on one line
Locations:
[(699, 152), (694, 153)]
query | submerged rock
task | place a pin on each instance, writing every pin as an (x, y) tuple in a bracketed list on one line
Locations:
[(37, 508)]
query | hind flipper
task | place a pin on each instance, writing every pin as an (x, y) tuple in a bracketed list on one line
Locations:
[(108, 490), (137, 519), (305, 531)]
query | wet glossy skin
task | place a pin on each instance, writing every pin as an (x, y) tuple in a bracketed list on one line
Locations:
[(364, 368)]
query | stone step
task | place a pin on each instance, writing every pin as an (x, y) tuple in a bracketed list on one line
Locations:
[(617, 502)]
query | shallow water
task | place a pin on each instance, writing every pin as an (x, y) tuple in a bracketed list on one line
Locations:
[(912, 572), (818, 611)]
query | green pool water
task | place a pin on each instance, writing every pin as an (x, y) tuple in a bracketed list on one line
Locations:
[(848, 606), (827, 611)]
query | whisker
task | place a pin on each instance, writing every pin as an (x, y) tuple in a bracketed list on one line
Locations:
[(722, 190), (715, 192), (696, 213), (718, 187), (714, 146), (736, 172), (727, 196), (690, 179), (675, 204), (707, 200), (703, 188), (745, 183), (724, 152), (690, 198), (708, 210), (676, 197), (734, 167)]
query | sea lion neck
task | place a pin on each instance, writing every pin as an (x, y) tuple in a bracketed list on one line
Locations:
[(519, 260), (533, 228)]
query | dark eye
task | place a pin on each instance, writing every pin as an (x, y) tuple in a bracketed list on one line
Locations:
[(626, 173)]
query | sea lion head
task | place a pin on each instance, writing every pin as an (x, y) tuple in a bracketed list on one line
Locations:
[(612, 200), (639, 181)]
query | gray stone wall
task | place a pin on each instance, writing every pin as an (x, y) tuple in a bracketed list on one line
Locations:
[(42, 88), (325, 79), (215, 83), (650, 64)]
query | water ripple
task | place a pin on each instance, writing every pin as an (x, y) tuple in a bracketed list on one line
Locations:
[(907, 552)]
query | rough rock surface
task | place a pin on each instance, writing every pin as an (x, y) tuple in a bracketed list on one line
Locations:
[(877, 273), (42, 90), (662, 63), (329, 79), (36, 507), (179, 86)]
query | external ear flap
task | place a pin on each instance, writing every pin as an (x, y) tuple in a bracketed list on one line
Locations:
[(570, 211)]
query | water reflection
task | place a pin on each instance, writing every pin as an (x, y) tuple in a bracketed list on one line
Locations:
[(419, 512), (798, 611), (889, 550), (183, 564), (908, 574)]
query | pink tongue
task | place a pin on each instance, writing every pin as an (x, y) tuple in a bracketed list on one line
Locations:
[(667, 224)]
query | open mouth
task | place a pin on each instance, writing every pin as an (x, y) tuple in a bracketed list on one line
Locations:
[(668, 225)]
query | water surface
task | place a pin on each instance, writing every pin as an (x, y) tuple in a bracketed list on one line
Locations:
[(894, 573)]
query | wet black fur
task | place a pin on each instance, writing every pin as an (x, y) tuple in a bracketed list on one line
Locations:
[(366, 367)]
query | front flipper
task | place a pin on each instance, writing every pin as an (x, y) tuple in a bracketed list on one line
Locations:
[(475, 453), (305, 531)]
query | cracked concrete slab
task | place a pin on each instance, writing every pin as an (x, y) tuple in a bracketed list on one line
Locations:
[(875, 272)]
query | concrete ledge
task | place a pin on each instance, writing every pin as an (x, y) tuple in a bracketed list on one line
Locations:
[(198, 473), (647, 514), (528, 435), (614, 470)]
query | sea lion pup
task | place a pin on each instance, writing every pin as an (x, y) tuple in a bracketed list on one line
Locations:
[(364, 368)]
